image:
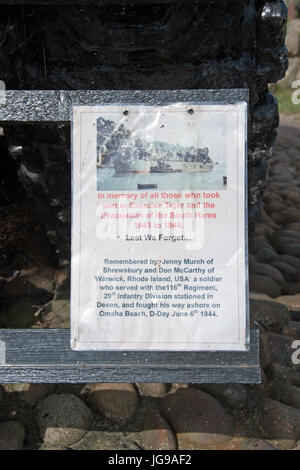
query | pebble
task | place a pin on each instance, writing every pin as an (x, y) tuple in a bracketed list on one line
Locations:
[(264, 285), (153, 389), (258, 244), (287, 394), (294, 226), (295, 316), (270, 271), (279, 348), (63, 419), (156, 433), (291, 289), (198, 419), (232, 395), (292, 330), (266, 254), (30, 393), (289, 272), (11, 435), (292, 302), (294, 234), (272, 315), (116, 401), (28, 286), (58, 313), (287, 246), (288, 259), (279, 421), (279, 373), (105, 440), (21, 313), (256, 444)]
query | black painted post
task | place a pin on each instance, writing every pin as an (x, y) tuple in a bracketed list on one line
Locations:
[(127, 45), (141, 45)]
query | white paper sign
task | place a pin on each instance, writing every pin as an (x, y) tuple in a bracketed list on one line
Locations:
[(158, 228)]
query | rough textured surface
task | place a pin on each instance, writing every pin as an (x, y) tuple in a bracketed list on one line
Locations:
[(232, 395), (11, 436), (63, 419), (256, 444), (166, 46), (31, 394), (153, 389), (118, 402), (156, 433), (198, 419), (279, 421), (38, 355)]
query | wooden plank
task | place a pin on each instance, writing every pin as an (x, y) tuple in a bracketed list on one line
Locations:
[(38, 356), (55, 105)]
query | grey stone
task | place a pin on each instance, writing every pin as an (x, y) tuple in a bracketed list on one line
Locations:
[(288, 259), (281, 373), (28, 286), (105, 440), (287, 394), (63, 419), (279, 348), (292, 302), (116, 401), (287, 233), (269, 271), (292, 330), (292, 43), (256, 444), (279, 422), (294, 26), (289, 272), (232, 395), (287, 246), (198, 419), (22, 313), (266, 254), (270, 314), (153, 389), (30, 393), (58, 314), (49, 447), (264, 285), (11, 435), (156, 433)]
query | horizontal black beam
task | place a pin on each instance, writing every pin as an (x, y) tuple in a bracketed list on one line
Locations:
[(56, 105), (41, 355)]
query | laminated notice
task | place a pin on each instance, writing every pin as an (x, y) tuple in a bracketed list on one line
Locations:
[(159, 227)]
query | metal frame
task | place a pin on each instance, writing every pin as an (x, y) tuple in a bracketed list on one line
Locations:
[(41, 355)]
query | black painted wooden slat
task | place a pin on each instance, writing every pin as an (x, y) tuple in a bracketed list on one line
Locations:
[(56, 105), (45, 356)]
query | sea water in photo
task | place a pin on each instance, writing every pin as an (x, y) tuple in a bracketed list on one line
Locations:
[(107, 180)]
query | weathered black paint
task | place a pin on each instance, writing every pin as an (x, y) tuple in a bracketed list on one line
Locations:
[(42, 355), (176, 45)]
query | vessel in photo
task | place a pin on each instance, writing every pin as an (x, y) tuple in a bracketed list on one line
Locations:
[(127, 159), (130, 165)]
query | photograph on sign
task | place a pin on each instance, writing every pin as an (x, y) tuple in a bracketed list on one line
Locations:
[(135, 152), (159, 227)]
